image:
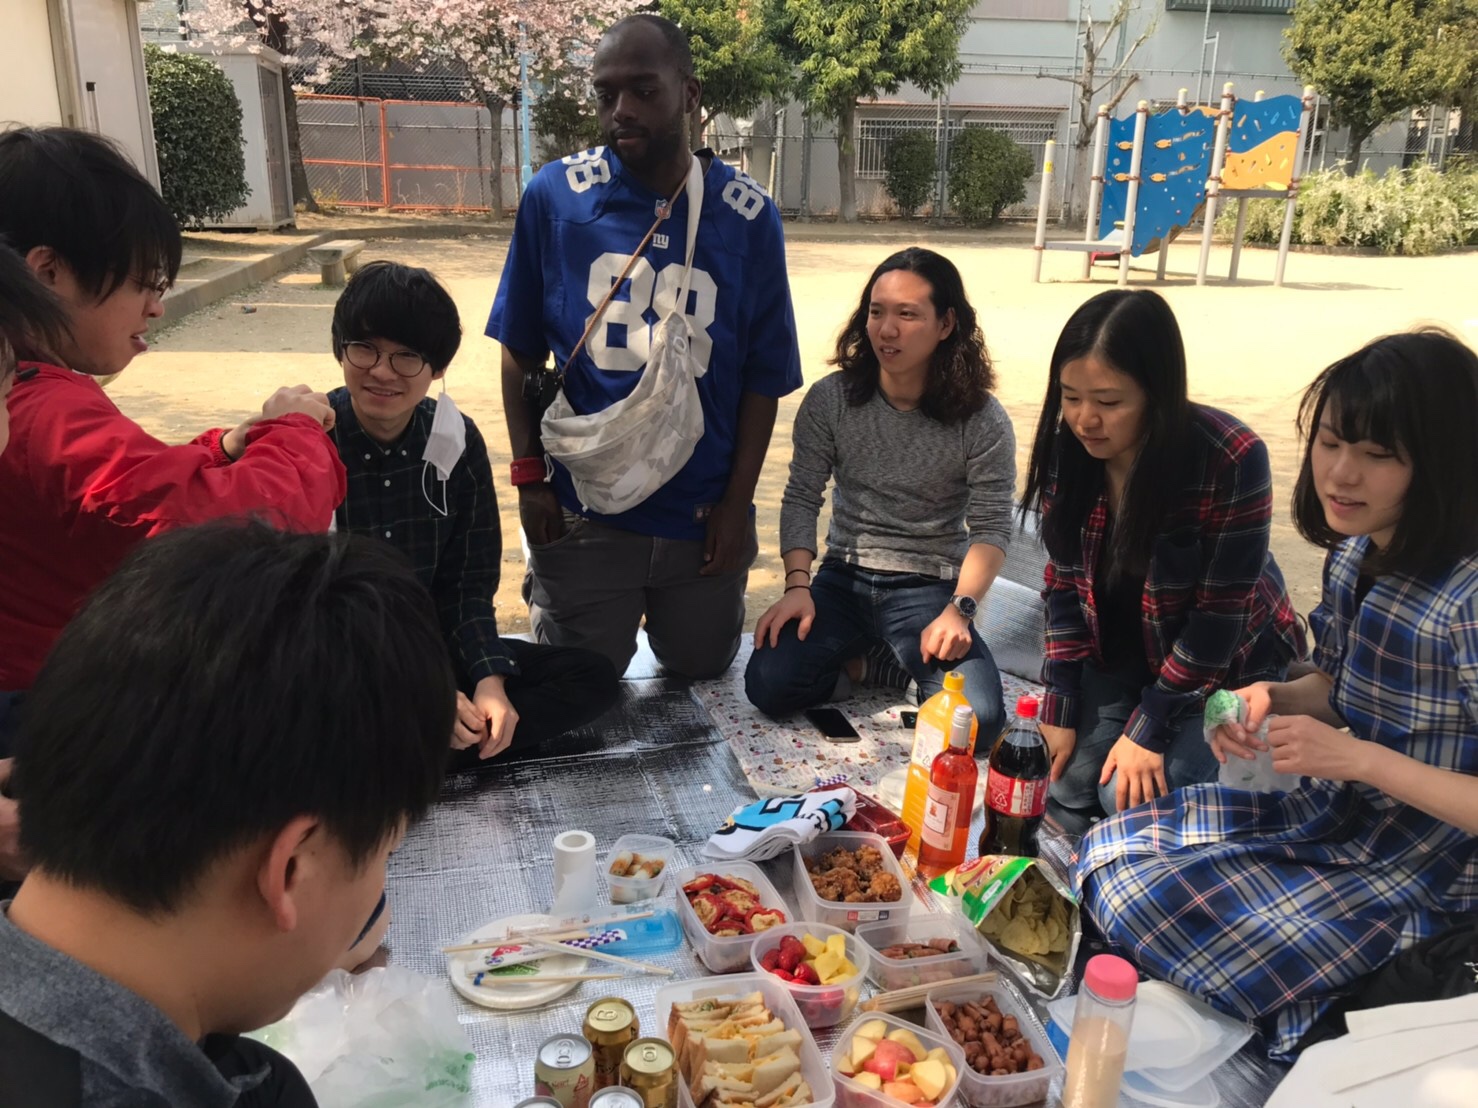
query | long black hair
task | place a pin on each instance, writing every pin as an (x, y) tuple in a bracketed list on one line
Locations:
[(1134, 332), (960, 373), (1415, 394)]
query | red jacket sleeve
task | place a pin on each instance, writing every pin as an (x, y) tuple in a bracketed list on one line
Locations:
[(95, 462)]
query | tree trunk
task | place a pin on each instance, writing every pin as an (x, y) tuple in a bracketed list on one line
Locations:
[(847, 163), (695, 128), (495, 108), (302, 191), (1352, 155)]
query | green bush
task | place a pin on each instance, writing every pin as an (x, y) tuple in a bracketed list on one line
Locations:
[(1406, 211), (910, 163), (987, 171), (565, 123), (197, 132)]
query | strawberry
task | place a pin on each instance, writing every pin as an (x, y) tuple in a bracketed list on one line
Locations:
[(806, 974)]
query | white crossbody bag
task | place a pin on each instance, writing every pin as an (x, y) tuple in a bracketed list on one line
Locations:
[(619, 456)]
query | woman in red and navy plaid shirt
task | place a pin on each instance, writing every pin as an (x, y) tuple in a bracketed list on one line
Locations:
[(1159, 587)]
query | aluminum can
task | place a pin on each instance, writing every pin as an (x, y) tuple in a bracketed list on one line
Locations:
[(538, 1102), (649, 1069), (616, 1097), (564, 1069), (611, 1026)]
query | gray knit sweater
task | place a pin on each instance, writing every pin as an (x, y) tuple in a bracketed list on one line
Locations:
[(906, 487)]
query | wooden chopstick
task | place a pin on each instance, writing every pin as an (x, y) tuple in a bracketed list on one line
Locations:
[(546, 935), (544, 978), (602, 956), (899, 1000)]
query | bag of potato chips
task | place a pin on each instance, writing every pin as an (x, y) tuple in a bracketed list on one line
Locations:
[(1023, 911)]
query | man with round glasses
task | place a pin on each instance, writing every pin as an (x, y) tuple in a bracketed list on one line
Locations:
[(395, 331)]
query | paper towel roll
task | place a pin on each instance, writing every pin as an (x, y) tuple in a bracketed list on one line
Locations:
[(575, 888)]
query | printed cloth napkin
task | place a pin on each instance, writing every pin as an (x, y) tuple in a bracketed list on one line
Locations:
[(772, 825)]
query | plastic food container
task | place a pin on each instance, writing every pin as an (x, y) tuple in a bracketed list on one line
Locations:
[(980, 1091), (629, 890), (839, 913), (777, 999), (920, 927), (725, 953), (820, 1005), (851, 1093)]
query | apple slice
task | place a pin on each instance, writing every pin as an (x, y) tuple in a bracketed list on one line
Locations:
[(886, 1059), (905, 1091), (939, 1054), (953, 1073), (872, 1029), (906, 1037), (870, 1080), (844, 1065), (930, 1076), (862, 1050)]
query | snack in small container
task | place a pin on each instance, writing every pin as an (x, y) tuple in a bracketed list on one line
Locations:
[(734, 1050), (1009, 1060), (637, 867), (720, 908), (883, 1062), (823, 967)]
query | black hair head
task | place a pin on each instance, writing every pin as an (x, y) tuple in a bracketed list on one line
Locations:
[(1135, 332), (403, 304), (226, 680), (1416, 395), (76, 193), (679, 52), (32, 321), (960, 372)]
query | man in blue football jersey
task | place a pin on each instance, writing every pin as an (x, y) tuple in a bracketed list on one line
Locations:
[(681, 557)]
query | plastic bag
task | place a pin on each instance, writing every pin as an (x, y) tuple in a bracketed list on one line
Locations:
[(1256, 775), (380, 1039)]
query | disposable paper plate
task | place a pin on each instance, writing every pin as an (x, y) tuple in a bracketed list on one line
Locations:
[(523, 995)]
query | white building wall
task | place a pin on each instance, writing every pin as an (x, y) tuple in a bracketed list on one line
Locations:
[(28, 84)]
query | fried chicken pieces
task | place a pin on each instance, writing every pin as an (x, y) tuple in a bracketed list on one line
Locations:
[(853, 877)]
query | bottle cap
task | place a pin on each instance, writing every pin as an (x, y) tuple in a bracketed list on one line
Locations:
[(1026, 707), (954, 681), (1109, 976), (959, 727)]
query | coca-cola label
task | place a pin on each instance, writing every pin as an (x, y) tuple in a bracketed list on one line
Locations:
[(941, 817), (1011, 796)]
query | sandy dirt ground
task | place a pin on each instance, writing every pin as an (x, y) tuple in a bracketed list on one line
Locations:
[(1252, 348)]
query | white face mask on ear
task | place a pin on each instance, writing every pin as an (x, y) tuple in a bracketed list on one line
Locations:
[(448, 439)]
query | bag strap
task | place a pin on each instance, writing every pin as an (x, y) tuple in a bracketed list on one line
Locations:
[(664, 209)]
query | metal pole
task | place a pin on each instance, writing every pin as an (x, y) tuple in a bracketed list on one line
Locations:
[(1213, 179), (1205, 38), (1070, 172), (526, 168), (1141, 120), (805, 212), (943, 147), (1095, 184), (1040, 246), (1305, 121)]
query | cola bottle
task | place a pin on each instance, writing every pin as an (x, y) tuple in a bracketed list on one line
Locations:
[(1017, 777)]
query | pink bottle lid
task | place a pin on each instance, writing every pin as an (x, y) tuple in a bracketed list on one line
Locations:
[(1026, 707), (1110, 977)]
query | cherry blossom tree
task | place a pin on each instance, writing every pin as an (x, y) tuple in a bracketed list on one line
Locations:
[(485, 40)]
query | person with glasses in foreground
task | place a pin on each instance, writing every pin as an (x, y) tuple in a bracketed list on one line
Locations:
[(82, 484), (395, 331)]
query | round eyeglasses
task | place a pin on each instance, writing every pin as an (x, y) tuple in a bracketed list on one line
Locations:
[(366, 355)]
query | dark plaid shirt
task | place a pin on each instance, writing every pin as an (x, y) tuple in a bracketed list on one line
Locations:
[(456, 556), (1211, 592)]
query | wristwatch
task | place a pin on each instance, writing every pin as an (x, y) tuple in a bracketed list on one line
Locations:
[(965, 605)]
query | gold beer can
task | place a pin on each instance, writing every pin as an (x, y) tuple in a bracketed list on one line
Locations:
[(564, 1069), (649, 1068), (611, 1026)]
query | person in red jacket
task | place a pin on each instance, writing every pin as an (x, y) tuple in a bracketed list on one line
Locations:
[(81, 484)]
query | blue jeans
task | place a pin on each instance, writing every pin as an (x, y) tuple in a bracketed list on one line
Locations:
[(1107, 700), (855, 609)]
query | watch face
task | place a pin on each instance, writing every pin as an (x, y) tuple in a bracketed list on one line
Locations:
[(966, 606)]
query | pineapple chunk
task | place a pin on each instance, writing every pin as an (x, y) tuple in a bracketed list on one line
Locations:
[(831, 966), (837, 944), (813, 945)]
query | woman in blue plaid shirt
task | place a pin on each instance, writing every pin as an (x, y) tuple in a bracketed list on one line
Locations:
[(1271, 905)]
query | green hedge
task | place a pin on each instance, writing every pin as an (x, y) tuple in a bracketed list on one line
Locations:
[(987, 171), (1405, 211), (911, 165), (197, 133)]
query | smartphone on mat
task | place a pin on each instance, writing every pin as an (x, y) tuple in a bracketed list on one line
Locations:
[(833, 724), (909, 719)]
